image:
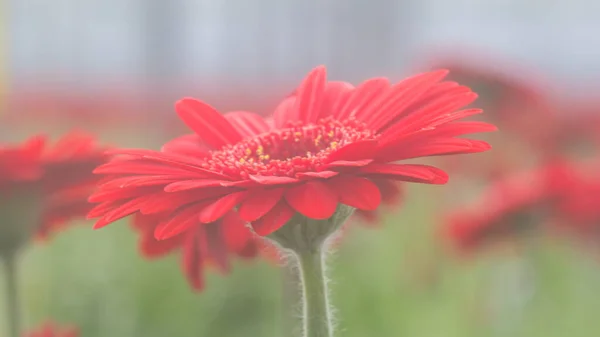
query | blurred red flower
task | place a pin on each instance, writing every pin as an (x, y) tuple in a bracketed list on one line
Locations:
[(43, 186), (510, 208), (52, 330)]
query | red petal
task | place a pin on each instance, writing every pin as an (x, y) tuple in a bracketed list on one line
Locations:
[(273, 180), (362, 149), (309, 97), (132, 166), (346, 163), (407, 172), (248, 124), (192, 184), (363, 95), (192, 261), (394, 101), (321, 174), (336, 95), (207, 122), (357, 192), (313, 199), (220, 207), (235, 232), (431, 147), (275, 219), (456, 129), (189, 164), (122, 211), (259, 203), (217, 250), (178, 223)]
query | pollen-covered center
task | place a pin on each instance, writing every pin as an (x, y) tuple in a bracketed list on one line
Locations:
[(286, 152)]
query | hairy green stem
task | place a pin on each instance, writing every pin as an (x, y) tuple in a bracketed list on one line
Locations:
[(11, 295), (316, 312)]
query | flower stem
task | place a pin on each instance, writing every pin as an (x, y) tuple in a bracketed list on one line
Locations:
[(11, 295), (316, 311)]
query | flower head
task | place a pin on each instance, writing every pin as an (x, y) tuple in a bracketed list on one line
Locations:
[(42, 186), (322, 152), (51, 330)]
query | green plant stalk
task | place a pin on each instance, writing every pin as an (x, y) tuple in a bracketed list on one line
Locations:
[(317, 320)]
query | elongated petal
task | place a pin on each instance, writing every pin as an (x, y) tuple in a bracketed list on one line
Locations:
[(178, 223), (310, 96), (184, 185), (407, 172), (192, 261), (337, 94), (393, 102), (207, 122), (362, 96)]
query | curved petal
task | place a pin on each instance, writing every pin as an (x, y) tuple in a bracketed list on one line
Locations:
[(309, 97), (407, 172), (207, 122)]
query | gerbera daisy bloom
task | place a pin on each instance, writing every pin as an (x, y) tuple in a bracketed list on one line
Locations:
[(327, 145), (44, 185), (52, 330)]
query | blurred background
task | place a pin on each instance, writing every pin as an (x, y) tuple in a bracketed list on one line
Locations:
[(115, 67)]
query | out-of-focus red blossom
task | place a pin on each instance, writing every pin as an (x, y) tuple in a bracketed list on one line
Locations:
[(326, 145), (47, 182), (52, 330), (578, 213), (510, 207)]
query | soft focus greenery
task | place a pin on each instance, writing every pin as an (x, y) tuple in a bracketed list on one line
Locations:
[(391, 281)]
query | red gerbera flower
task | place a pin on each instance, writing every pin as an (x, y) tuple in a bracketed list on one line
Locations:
[(51, 330), (42, 186), (325, 147)]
